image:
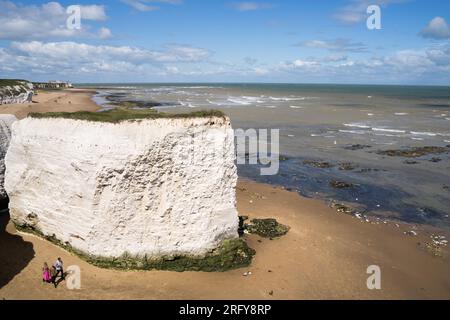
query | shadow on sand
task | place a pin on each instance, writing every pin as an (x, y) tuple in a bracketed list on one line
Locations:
[(15, 253)]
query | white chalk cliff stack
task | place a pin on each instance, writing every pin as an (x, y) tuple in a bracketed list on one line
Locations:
[(156, 187), (6, 121)]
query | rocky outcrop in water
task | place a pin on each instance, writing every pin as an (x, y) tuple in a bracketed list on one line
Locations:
[(415, 152), (6, 121), (162, 187)]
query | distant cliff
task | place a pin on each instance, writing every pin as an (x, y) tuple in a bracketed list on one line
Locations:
[(52, 85), (15, 91)]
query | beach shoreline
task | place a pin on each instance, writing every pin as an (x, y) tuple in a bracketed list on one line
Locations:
[(325, 255), (64, 100), (366, 145)]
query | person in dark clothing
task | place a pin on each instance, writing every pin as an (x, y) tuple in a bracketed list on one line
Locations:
[(59, 268)]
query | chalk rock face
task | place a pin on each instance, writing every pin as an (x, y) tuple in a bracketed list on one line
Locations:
[(21, 92), (155, 187), (6, 121)]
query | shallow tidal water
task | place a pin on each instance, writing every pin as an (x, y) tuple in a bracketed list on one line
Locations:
[(343, 125)]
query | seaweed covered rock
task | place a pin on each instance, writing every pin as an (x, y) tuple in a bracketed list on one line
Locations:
[(354, 147), (341, 208), (347, 166), (340, 184), (267, 228), (415, 152), (318, 164)]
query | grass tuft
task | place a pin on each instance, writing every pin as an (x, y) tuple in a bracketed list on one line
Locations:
[(124, 114)]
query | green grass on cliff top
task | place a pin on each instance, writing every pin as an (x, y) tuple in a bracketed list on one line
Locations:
[(124, 114), (11, 82)]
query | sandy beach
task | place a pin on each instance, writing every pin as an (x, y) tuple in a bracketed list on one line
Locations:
[(324, 256), (69, 100)]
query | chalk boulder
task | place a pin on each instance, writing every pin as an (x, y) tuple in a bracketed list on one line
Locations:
[(158, 187)]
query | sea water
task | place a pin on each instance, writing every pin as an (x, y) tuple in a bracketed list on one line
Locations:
[(336, 124)]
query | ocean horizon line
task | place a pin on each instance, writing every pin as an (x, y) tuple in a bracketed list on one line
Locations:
[(266, 83)]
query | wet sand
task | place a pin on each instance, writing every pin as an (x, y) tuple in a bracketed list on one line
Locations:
[(325, 255), (69, 100)]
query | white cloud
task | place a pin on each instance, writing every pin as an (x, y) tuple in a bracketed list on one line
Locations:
[(436, 29), (80, 52), (428, 65), (104, 33), (147, 5), (45, 21), (335, 45), (251, 6), (71, 58), (93, 12), (335, 58), (298, 65)]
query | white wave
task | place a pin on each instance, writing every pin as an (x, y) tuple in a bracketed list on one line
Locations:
[(245, 100), (386, 143), (357, 125), (187, 104), (270, 107), (125, 88), (385, 135), (353, 131), (447, 141), (401, 114), (447, 118), (370, 114), (255, 99), (239, 101), (291, 99), (200, 87), (420, 139), (296, 107), (431, 134), (216, 103), (388, 130)]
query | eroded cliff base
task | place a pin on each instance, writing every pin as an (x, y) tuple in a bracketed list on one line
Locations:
[(230, 254)]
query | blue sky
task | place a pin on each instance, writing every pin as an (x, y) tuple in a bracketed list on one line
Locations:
[(227, 41)]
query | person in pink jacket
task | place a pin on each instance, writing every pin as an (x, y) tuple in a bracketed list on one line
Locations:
[(46, 274)]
